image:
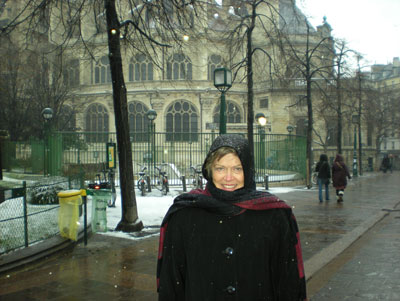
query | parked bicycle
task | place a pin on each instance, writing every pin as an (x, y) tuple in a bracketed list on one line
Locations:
[(141, 183), (107, 182), (196, 178), (314, 174), (161, 180)]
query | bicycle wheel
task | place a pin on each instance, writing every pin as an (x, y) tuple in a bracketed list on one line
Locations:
[(157, 182), (192, 182), (141, 187), (314, 178), (111, 202), (165, 188), (200, 182)]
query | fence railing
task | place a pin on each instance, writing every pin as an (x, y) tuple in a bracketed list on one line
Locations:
[(280, 156)]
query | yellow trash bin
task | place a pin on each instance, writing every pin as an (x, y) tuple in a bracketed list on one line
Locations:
[(68, 215)]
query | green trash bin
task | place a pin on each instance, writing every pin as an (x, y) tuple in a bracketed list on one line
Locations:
[(100, 199)]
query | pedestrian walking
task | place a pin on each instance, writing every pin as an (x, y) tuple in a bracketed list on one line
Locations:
[(340, 173), (324, 176), (385, 165), (229, 241)]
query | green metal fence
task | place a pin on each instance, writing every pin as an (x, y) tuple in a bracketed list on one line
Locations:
[(282, 157)]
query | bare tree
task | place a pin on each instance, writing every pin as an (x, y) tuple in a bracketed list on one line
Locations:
[(308, 59), (145, 25)]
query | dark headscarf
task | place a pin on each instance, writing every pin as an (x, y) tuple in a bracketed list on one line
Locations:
[(242, 148), (339, 158), (323, 158)]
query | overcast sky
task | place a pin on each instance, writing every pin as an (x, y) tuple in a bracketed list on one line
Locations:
[(371, 27)]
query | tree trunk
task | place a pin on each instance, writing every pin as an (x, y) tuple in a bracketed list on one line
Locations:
[(250, 92), (309, 155), (129, 220)]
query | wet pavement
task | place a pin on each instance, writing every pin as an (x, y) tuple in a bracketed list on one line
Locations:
[(112, 268)]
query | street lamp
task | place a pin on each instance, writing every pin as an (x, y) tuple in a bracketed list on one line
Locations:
[(290, 129), (47, 115), (222, 81), (355, 120), (262, 121), (151, 116)]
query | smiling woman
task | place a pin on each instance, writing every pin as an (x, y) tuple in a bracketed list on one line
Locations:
[(229, 240)]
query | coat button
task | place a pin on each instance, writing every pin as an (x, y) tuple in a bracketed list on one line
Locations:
[(228, 251), (230, 289)]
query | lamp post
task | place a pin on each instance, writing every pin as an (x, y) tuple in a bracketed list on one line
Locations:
[(47, 115), (151, 116), (222, 81), (354, 119), (290, 129), (262, 121)]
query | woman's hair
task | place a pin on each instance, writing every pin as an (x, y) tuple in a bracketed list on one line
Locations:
[(215, 156)]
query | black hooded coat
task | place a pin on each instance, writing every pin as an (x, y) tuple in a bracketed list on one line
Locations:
[(240, 245)]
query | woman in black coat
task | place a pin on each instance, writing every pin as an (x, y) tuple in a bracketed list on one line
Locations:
[(229, 241), (340, 173)]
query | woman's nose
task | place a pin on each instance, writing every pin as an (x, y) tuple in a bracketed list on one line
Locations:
[(228, 175)]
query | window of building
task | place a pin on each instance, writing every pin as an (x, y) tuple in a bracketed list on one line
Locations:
[(214, 62), (97, 122), (102, 72), (332, 133), (182, 122), (179, 67), (138, 121), (264, 103), (369, 134), (301, 126), (233, 114), (140, 68), (71, 73), (66, 119)]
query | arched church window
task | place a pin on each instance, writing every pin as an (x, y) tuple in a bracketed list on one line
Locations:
[(102, 72), (233, 114), (97, 122), (214, 62), (138, 121), (179, 67), (182, 121), (140, 68), (71, 73)]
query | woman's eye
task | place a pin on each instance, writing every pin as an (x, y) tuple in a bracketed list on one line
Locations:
[(238, 169)]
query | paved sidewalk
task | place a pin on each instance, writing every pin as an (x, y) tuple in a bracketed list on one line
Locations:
[(111, 268), (373, 272)]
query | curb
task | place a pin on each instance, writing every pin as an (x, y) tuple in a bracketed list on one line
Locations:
[(326, 255), (37, 251)]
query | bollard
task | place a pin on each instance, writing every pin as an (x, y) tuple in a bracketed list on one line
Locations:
[(266, 180), (183, 179)]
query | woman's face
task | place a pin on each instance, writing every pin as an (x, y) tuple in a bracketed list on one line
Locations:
[(227, 173)]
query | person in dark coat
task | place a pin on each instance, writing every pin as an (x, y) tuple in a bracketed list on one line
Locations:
[(324, 176), (340, 173), (385, 163), (229, 241)]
